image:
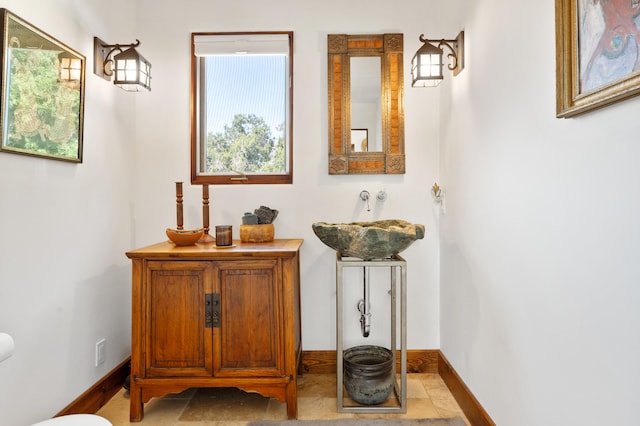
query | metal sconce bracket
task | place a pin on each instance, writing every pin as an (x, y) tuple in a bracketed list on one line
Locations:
[(459, 45), (101, 51), (456, 46)]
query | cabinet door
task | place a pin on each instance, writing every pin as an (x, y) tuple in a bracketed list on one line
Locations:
[(248, 342), (177, 342)]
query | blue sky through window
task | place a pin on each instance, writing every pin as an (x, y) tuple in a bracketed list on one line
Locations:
[(245, 84)]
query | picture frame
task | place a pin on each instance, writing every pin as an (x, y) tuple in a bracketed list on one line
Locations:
[(597, 48), (359, 140), (42, 93)]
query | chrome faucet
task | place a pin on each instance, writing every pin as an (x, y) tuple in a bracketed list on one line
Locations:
[(364, 196)]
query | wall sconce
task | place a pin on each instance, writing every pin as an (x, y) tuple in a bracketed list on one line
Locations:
[(427, 63), (130, 70)]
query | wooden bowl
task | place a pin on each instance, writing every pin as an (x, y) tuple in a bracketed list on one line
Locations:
[(184, 237)]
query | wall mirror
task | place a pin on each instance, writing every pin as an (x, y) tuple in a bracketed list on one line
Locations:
[(366, 103)]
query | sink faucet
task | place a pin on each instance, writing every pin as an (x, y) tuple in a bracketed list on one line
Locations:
[(364, 196)]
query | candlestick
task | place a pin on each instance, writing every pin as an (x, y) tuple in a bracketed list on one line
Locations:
[(206, 238), (179, 205)]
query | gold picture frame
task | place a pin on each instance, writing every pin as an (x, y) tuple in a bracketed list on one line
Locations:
[(597, 49), (42, 93)]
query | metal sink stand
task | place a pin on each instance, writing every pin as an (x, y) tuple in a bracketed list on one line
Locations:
[(400, 391)]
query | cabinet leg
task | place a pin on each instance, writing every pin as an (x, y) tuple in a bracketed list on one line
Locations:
[(292, 401), (136, 408)]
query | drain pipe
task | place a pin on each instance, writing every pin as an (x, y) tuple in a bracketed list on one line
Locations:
[(363, 304)]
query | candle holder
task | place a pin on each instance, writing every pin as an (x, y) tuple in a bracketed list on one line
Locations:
[(206, 238), (179, 216), (224, 236)]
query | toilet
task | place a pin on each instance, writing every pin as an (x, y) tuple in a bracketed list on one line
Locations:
[(76, 420), (6, 350)]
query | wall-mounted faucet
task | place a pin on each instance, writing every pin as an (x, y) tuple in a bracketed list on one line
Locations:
[(365, 196)]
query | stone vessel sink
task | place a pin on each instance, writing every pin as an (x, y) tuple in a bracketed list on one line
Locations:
[(369, 240)]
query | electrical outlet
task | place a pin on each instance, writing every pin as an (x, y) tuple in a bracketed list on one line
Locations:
[(101, 348)]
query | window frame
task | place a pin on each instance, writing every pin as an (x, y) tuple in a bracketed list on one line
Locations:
[(237, 178)]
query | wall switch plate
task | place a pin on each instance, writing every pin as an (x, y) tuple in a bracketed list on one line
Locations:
[(101, 347)]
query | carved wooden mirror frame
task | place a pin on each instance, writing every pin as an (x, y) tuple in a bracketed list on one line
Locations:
[(340, 49)]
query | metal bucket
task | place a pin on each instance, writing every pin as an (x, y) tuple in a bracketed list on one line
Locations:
[(368, 374)]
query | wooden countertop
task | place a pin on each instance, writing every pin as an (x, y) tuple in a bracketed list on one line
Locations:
[(277, 247)]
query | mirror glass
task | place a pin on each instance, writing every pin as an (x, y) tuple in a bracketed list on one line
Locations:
[(365, 97), (366, 104)]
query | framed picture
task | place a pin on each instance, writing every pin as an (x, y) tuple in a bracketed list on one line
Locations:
[(42, 93), (359, 140), (598, 53)]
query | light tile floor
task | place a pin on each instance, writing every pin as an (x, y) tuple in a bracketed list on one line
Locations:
[(427, 397)]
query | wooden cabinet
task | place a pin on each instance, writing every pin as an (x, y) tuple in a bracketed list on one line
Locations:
[(204, 316)]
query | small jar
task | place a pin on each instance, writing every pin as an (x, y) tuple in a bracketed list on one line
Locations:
[(249, 219)]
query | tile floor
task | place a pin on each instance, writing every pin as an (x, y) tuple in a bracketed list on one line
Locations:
[(427, 397)]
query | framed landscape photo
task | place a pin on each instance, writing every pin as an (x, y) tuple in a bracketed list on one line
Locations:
[(597, 54), (42, 93)]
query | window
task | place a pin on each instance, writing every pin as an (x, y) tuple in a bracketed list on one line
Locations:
[(241, 115)]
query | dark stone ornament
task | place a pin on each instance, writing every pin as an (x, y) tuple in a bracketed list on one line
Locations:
[(265, 214)]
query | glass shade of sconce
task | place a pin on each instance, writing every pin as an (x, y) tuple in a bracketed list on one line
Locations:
[(70, 68), (426, 66), (428, 62), (131, 71)]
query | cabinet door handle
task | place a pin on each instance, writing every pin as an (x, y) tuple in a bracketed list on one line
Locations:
[(212, 310)]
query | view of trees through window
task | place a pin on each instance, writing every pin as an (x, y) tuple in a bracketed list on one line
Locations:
[(246, 145)]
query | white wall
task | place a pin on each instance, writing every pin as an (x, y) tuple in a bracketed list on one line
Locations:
[(64, 278), (163, 149), (540, 243)]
